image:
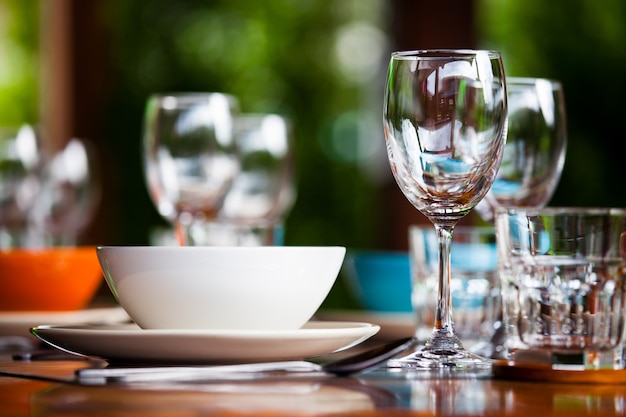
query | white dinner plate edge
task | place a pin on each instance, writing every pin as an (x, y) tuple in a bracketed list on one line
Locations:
[(201, 346), (132, 330)]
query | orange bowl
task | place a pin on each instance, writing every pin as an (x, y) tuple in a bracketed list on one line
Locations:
[(50, 279)]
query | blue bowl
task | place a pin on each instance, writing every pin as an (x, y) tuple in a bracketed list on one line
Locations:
[(379, 280)]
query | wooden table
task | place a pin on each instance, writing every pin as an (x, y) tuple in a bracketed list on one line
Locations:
[(376, 393)]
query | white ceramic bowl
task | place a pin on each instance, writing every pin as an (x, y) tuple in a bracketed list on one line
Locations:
[(251, 288)]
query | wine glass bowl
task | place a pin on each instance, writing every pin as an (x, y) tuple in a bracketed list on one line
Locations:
[(68, 195), (263, 188), (534, 154), (444, 156), (190, 156), (20, 157), (262, 192), (445, 120)]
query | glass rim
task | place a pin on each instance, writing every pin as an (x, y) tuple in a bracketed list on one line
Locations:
[(256, 117), (443, 53), (513, 81), (584, 210), (191, 96)]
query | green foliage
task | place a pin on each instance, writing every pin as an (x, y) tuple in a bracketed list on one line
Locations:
[(582, 43), (19, 69), (274, 56)]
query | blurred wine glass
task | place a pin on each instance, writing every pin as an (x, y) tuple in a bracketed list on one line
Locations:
[(534, 154), (68, 195), (532, 163), (263, 191), (47, 196), (190, 157), (20, 156)]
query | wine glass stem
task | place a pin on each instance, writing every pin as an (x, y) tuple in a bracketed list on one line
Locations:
[(443, 314), (181, 233)]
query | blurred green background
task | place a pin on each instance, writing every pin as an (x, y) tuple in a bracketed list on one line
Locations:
[(322, 63)]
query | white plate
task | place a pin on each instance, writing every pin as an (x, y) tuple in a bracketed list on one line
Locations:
[(129, 343), (19, 323)]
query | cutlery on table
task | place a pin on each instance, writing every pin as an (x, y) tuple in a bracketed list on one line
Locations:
[(343, 367)]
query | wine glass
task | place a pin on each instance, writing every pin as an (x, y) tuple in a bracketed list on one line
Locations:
[(68, 195), (263, 191), (20, 158), (532, 163), (534, 154), (190, 157), (263, 188), (445, 120)]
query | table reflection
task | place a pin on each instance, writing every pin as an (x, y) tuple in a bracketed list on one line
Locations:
[(275, 397), (377, 393), (485, 396)]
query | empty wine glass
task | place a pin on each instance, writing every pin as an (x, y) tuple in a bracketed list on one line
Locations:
[(263, 188), (445, 118), (68, 195), (263, 191), (189, 156), (534, 154), (20, 157), (532, 162)]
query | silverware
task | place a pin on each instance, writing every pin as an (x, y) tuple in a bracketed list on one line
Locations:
[(342, 367), (102, 376)]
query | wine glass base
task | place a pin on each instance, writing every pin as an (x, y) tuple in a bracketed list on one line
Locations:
[(437, 358)]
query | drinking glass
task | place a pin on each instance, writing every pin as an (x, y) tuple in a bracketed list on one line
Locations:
[(190, 156), (445, 120), (536, 143), (563, 277), (474, 284)]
